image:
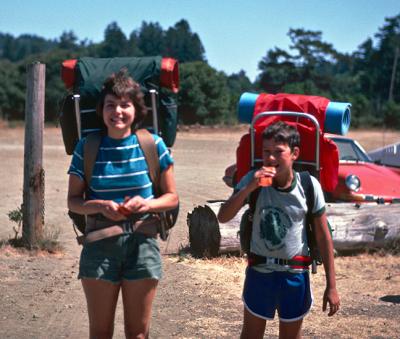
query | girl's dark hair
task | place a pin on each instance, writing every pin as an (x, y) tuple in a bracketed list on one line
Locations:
[(282, 132), (122, 85)]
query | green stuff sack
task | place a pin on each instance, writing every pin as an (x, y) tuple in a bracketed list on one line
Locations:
[(168, 118), (92, 72)]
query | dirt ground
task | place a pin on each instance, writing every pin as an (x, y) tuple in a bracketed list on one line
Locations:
[(41, 297)]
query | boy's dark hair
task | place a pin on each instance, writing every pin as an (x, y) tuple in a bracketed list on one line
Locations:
[(282, 132), (122, 85)]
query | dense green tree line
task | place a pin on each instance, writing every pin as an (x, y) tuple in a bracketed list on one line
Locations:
[(369, 77)]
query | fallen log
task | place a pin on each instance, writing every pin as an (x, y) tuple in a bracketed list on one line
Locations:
[(204, 232), (362, 226), (354, 227)]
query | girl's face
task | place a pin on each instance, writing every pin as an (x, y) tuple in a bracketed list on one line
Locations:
[(118, 116)]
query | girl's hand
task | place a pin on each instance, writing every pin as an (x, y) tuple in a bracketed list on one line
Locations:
[(123, 210), (134, 205), (110, 209)]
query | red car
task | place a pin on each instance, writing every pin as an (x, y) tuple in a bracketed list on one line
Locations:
[(360, 179)]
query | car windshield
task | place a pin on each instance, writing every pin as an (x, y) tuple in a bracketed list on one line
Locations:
[(350, 150)]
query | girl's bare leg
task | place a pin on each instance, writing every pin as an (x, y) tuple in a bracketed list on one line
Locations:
[(138, 296), (101, 298)]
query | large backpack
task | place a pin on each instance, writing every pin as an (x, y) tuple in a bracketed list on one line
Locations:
[(149, 148), (246, 223), (84, 78)]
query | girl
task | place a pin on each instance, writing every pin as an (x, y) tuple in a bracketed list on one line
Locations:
[(128, 260)]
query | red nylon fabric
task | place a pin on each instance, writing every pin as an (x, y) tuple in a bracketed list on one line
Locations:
[(68, 72), (169, 75), (313, 105)]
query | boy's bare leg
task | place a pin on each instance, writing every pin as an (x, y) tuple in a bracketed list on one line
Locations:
[(253, 327), (290, 330)]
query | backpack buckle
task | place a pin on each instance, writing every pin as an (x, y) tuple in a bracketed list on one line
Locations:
[(80, 239)]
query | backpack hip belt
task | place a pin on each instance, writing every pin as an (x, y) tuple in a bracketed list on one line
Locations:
[(298, 261), (101, 228)]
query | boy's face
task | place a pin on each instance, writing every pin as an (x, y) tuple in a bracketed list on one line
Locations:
[(279, 155)]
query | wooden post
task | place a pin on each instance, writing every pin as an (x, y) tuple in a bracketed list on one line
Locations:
[(33, 195)]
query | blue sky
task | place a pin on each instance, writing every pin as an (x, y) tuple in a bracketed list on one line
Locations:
[(235, 34)]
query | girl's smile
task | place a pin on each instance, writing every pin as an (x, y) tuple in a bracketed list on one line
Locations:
[(118, 116)]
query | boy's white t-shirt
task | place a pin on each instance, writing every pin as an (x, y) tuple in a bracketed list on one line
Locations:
[(279, 219)]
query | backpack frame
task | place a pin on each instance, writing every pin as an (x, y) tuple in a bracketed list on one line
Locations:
[(246, 224)]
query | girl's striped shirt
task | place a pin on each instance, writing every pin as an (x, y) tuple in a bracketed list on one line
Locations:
[(120, 169)]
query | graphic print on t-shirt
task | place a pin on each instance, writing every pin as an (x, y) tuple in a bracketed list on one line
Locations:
[(274, 226)]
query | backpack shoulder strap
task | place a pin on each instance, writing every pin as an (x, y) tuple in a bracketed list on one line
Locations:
[(253, 199), (149, 149), (90, 150), (306, 183), (246, 223)]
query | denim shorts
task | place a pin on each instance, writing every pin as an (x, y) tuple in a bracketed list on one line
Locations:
[(130, 256), (288, 293)]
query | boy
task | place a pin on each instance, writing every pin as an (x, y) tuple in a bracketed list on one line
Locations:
[(277, 276)]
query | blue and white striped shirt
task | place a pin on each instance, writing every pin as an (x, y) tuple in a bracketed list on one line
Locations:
[(120, 169)]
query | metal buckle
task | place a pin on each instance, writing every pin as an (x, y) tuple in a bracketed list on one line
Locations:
[(270, 260), (127, 226)]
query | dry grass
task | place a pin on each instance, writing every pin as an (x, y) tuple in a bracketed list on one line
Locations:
[(368, 285), (197, 298), (10, 250), (3, 124), (372, 139), (48, 243)]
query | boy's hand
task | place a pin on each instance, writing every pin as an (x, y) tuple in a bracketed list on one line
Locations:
[(332, 297), (265, 175)]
